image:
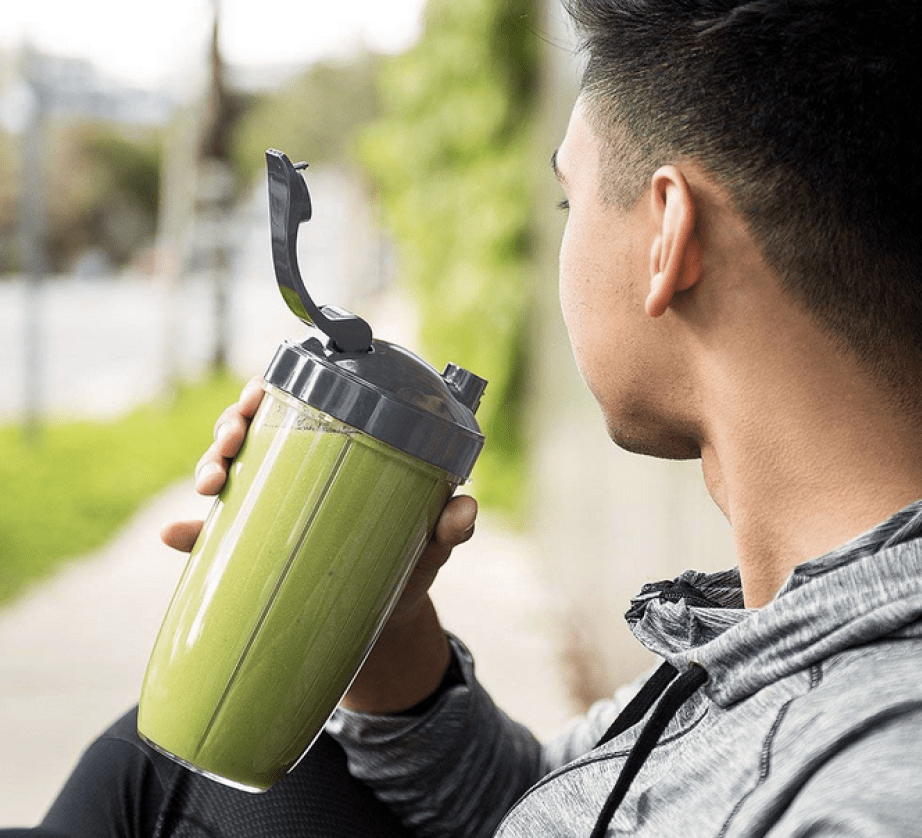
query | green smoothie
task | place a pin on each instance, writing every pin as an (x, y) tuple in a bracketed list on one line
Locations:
[(292, 577)]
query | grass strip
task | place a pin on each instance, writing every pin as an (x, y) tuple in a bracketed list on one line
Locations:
[(69, 491)]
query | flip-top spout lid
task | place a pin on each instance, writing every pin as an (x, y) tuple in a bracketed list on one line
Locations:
[(377, 387), (289, 205)]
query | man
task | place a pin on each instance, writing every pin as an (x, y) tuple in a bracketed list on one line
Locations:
[(741, 279)]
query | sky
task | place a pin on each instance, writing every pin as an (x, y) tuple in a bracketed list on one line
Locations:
[(153, 43)]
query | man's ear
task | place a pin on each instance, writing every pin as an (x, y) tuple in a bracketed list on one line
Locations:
[(675, 258)]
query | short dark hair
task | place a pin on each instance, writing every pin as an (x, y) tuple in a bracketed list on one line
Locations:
[(809, 112)]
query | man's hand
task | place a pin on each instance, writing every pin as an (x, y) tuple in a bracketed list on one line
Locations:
[(412, 653), (211, 471)]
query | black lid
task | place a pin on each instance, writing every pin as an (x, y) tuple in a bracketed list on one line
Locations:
[(376, 387), (389, 394)]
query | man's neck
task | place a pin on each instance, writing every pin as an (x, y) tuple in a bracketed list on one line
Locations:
[(798, 475)]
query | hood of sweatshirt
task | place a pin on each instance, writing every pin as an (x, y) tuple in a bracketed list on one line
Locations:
[(866, 590)]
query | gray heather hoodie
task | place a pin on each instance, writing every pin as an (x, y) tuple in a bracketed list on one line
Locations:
[(810, 723)]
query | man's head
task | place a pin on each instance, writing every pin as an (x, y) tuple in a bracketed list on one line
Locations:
[(807, 114)]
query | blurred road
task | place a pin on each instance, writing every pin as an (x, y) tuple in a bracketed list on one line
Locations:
[(106, 342)]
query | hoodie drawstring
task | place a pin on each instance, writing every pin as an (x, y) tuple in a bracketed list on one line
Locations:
[(638, 706), (675, 694)]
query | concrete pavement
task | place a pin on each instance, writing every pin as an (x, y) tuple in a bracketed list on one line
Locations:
[(73, 651)]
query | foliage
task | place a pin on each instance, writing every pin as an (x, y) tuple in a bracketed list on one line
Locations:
[(451, 157), (100, 187), (103, 192), (317, 114), (73, 488), (131, 165)]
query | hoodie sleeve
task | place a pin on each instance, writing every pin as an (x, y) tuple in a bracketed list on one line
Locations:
[(458, 768), (453, 771)]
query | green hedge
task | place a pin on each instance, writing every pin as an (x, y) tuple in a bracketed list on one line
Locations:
[(451, 157)]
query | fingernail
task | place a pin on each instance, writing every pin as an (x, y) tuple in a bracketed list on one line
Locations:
[(249, 389), (208, 470)]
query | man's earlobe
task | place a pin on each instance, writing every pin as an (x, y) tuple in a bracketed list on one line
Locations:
[(659, 297), (675, 262)]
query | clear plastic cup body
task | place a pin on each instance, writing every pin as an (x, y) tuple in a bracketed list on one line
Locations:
[(300, 562)]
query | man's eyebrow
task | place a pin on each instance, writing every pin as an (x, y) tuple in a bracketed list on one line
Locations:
[(555, 169)]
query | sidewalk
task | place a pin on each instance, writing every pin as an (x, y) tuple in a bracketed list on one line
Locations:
[(73, 652)]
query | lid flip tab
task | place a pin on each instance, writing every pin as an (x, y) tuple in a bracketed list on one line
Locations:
[(289, 206)]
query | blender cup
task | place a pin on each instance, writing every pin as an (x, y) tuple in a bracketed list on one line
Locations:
[(356, 448)]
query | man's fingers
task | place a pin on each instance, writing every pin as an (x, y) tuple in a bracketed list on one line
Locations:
[(229, 436), (231, 428), (181, 535), (211, 472), (456, 524), (251, 397)]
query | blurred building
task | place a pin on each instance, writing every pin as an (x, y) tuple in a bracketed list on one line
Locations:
[(73, 87)]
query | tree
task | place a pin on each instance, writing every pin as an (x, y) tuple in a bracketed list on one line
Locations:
[(452, 158), (317, 116)]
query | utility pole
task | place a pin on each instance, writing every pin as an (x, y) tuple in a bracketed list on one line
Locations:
[(39, 90), (32, 235), (216, 189), (197, 193)]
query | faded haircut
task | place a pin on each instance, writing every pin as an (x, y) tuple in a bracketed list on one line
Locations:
[(808, 112)]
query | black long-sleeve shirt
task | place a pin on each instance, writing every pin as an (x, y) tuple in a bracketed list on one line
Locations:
[(121, 788)]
